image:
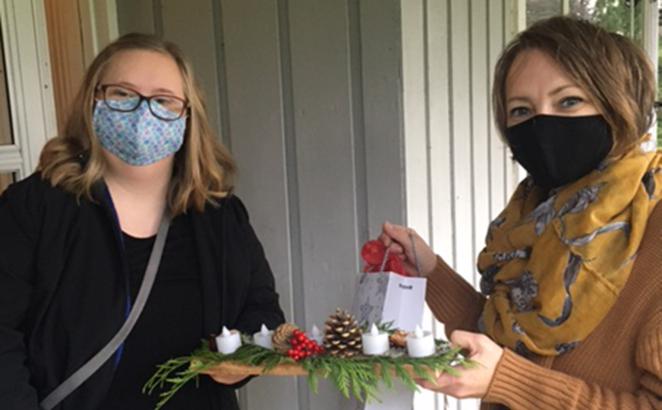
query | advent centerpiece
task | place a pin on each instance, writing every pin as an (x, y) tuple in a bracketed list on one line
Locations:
[(356, 359)]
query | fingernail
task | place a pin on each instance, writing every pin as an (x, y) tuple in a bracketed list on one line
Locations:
[(388, 224)]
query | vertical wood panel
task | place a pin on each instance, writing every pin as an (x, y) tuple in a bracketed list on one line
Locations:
[(178, 18), (461, 137), (322, 127), (414, 113), (357, 121), (252, 53), (222, 110), (480, 101), (498, 154), (66, 50), (321, 81), (416, 130), (382, 111), (297, 282), (514, 22), (439, 81), (87, 32), (440, 178), (380, 56), (104, 21), (135, 16)]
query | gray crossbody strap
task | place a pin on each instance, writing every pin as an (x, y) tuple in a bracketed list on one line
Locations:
[(88, 369)]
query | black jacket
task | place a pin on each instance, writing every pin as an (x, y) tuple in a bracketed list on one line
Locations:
[(62, 288)]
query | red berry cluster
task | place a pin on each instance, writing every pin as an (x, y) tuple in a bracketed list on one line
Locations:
[(302, 346)]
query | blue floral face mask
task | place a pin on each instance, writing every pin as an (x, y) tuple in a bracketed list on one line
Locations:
[(137, 137)]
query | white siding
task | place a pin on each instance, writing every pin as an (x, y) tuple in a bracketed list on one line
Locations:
[(459, 174)]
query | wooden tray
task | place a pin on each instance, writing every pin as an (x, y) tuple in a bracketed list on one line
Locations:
[(286, 369)]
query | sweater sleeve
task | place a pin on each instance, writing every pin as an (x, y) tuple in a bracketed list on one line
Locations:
[(453, 300), (520, 384), (16, 265)]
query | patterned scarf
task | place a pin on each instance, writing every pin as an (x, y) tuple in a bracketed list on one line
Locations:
[(553, 267)]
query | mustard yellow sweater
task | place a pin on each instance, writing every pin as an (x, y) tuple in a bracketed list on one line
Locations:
[(619, 366)]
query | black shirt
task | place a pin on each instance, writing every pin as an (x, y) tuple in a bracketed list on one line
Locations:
[(63, 291), (169, 326)]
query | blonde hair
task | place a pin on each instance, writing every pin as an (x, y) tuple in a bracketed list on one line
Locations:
[(203, 167), (615, 73)]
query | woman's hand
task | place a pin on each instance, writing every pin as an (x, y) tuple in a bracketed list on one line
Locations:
[(399, 241), (471, 382)]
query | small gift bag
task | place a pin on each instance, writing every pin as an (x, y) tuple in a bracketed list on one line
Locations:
[(386, 293)]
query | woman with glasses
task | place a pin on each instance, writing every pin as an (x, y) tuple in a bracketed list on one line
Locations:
[(137, 187), (570, 310)]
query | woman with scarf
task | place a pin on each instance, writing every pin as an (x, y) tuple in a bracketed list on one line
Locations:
[(569, 314)]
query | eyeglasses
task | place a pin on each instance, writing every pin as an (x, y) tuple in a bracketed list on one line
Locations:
[(123, 99)]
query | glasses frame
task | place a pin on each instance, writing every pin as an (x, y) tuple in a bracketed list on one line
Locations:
[(101, 88)]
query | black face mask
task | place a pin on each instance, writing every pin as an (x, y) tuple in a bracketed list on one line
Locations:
[(558, 150)]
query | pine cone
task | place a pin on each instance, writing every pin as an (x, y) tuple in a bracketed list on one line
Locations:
[(281, 337), (398, 338), (342, 335)]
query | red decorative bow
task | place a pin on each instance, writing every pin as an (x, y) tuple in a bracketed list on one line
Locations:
[(373, 253)]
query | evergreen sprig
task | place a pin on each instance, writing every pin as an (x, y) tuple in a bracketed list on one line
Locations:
[(357, 377)]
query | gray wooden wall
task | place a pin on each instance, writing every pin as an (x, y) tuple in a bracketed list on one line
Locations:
[(307, 95)]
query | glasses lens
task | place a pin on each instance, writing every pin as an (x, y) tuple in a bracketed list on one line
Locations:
[(166, 107), (121, 99)]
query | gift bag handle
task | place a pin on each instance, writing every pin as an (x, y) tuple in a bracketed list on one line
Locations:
[(381, 269), (413, 250)]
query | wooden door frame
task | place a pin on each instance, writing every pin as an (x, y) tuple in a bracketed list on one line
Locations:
[(77, 30)]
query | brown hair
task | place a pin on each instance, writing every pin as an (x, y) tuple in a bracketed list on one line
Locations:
[(611, 69), (203, 169)]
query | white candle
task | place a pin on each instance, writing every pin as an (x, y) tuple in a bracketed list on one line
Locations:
[(228, 341), (263, 337), (375, 342), (420, 343), (316, 335)]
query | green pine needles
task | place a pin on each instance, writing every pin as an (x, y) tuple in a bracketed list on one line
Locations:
[(357, 377)]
